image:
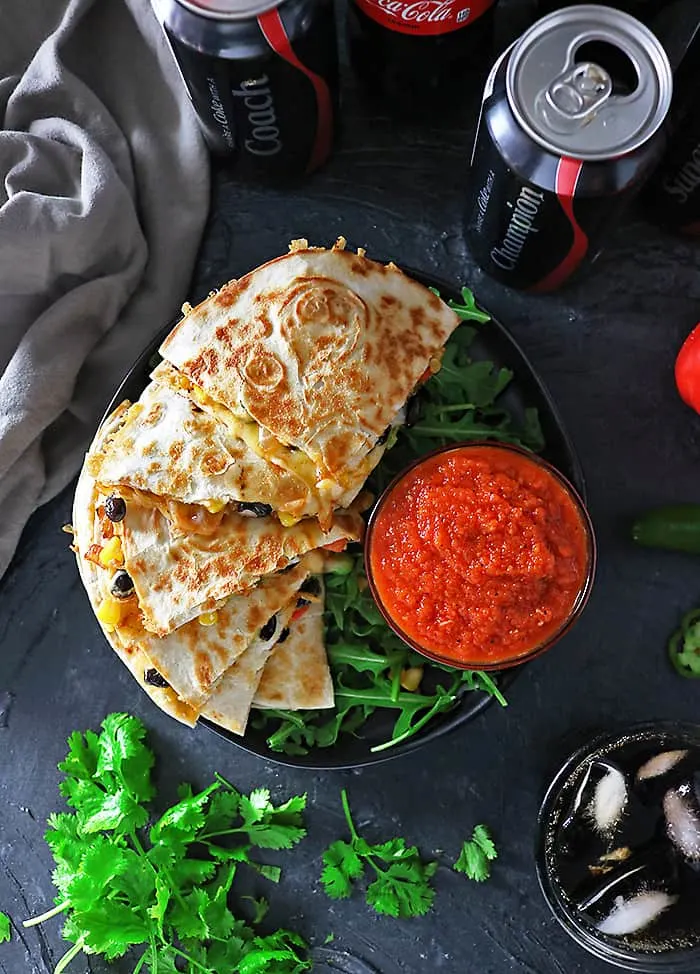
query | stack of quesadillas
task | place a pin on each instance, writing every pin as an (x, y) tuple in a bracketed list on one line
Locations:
[(203, 510)]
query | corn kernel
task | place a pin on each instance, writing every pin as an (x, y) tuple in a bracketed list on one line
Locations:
[(110, 612), (411, 677), (112, 555), (208, 618), (287, 520), (214, 506)]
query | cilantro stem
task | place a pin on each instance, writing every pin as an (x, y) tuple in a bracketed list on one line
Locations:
[(190, 960), (142, 961), (69, 955), (48, 915), (348, 816)]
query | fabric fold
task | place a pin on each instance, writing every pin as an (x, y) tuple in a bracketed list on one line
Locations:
[(103, 198)]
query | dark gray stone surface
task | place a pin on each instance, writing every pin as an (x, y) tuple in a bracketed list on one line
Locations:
[(606, 348)]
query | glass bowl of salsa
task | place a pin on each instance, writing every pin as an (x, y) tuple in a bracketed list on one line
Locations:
[(480, 555)]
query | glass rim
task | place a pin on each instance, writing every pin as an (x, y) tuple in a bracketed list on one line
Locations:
[(682, 960), (579, 602)]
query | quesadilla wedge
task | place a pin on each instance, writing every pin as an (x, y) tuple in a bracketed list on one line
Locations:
[(192, 658), (310, 358), (85, 528), (230, 701), (297, 676), (163, 451), (179, 578)]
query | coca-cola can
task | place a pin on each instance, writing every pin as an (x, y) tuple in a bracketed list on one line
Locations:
[(571, 127), (263, 79)]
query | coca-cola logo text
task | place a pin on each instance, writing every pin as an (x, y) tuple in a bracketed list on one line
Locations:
[(424, 16)]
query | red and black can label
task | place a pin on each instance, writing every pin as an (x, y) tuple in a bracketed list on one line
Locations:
[(424, 17), (534, 217), (269, 97)]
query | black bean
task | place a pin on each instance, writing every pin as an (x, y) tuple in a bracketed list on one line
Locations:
[(311, 585), (154, 679), (254, 510), (115, 507), (384, 437), (413, 410), (122, 586), (268, 630), (283, 635), (301, 602)]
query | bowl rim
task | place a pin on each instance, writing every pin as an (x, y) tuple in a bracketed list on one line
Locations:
[(680, 961), (581, 598)]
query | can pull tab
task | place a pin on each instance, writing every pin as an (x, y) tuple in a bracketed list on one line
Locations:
[(576, 95)]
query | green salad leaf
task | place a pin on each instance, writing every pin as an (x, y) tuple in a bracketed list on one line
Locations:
[(401, 885), (161, 886), (369, 662), (5, 932)]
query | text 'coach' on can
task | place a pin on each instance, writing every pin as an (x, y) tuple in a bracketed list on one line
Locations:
[(263, 79), (570, 130)]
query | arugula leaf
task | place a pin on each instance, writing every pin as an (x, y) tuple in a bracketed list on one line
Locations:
[(476, 854), (5, 932), (461, 401), (401, 890), (165, 889)]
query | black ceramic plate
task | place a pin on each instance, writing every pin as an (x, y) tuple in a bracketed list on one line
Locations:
[(494, 343)]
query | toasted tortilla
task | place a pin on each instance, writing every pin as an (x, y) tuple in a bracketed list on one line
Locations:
[(166, 446), (297, 675), (137, 662), (177, 578), (231, 699), (319, 348), (193, 657)]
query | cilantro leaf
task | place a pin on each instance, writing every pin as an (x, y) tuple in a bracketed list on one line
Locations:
[(475, 855), (401, 890), (5, 932), (167, 888), (272, 828), (341, 866)]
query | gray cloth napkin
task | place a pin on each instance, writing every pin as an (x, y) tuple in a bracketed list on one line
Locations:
[(104, 193)]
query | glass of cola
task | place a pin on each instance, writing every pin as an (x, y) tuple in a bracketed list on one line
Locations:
[(618, 854)]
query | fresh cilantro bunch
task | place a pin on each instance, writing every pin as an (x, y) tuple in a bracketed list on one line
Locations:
[(476, 855), (401, 887), (162, 887), (368, 661), (5, 933)]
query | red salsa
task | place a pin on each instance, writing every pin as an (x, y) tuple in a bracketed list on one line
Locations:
[(479, 555)]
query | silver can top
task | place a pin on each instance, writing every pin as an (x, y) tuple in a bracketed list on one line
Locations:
[(229, 9), (589, 82)]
